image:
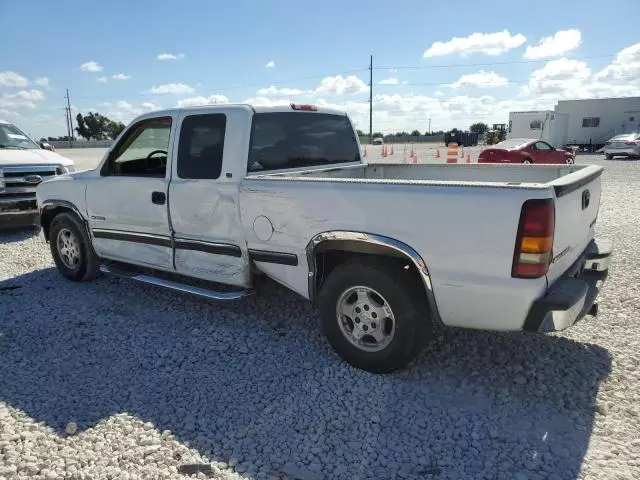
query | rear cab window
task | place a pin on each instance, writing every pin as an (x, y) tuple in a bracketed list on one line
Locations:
[(201, 146), (285, 140)]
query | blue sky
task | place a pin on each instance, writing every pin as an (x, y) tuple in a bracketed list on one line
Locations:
[(453, 62)]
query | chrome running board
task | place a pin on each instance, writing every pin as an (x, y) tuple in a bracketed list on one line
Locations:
[(177, 286)]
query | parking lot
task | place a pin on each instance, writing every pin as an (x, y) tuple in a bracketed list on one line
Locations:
[(114, 379)]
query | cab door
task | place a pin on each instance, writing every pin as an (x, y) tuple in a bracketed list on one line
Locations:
[(127, 203), (203, 195)]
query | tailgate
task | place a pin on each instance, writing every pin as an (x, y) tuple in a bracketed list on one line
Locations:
[(576, 206)]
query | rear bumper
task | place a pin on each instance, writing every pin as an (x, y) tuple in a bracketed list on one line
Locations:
[(571, 297), (18, 211)]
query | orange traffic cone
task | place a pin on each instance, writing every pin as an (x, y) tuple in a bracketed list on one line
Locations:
[(468, 158), (438, 153)]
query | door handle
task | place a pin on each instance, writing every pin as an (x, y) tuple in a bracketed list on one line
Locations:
[(158, 198)]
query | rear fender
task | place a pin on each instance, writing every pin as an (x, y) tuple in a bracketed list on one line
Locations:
[(366, 243)]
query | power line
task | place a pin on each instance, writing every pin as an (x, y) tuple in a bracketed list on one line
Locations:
[(370, 68), (489, 84), (489, 64), (234, 87)]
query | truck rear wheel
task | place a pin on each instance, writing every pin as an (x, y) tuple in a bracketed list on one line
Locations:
[(71, 249), (373, 319)]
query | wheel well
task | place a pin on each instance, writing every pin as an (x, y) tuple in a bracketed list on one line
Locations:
[(331, 255), (47, 216)]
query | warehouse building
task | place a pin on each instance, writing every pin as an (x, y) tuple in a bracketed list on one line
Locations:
[(585, 123)]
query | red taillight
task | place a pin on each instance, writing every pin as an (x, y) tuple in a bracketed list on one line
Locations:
[(304, 107), (637, 142), (534, 241)]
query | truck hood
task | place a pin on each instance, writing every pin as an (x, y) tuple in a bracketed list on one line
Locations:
[(32, 157)]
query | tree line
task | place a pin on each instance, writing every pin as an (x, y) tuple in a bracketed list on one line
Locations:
[(478, 127)]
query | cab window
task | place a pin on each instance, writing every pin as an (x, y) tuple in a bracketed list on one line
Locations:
[(201, 146), (296, 140), (143, 151)]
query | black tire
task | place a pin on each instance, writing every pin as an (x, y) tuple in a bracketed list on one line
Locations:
[(88, 263), (609, 157), (528, 161), (412, 320)]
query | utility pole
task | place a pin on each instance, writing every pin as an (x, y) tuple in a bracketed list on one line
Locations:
[(429, 126), (70, 119), (371, 99)]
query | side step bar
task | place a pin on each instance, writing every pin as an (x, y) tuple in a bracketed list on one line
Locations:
[(177, 286)]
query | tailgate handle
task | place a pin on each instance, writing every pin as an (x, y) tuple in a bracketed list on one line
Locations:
[(586, 198)]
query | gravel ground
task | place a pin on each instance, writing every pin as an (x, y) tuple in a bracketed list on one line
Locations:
[(113, 379)]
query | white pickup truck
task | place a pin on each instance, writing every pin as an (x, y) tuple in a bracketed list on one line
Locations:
[(207, 199), (23, 165)]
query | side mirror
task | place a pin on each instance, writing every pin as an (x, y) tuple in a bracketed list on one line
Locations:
[(47, 146)]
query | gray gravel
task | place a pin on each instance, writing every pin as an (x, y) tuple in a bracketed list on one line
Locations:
[(113, 379)]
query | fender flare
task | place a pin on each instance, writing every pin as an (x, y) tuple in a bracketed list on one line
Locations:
[(56, 203), (380, 243)]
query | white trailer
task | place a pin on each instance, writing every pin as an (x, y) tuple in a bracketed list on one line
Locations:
[(545, 125), (584, 123), (594, 121)]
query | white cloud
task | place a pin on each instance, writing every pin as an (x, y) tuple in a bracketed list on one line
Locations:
[(42, 81), (91, 67), (566, 78), (339, 85), (274, 91), (124, 111), (562, 78), (21, 99), (8, 113), (170, 56), (266, 102), (102, 79), (175, 88), (438, 94), (270, 64), (195, 101), (390, 81), (480, 79), (11, 79), (120, 76), (560, 43), (624, 67), (488, 43)]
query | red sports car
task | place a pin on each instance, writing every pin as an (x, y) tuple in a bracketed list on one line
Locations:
[(525, 150)]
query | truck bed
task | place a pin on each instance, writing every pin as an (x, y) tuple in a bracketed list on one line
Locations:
[(461, 219), (505, 176)]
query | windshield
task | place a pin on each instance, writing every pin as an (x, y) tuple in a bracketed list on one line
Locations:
[(513, 143), (12, 137)]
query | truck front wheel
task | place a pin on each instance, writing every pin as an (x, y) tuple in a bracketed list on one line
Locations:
[(71, 249), (373, 317)]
